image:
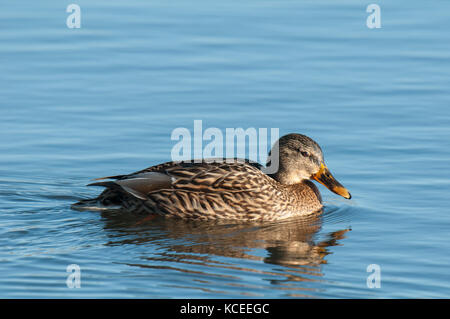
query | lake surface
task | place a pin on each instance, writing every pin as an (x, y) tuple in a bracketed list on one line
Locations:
[(77, 104)]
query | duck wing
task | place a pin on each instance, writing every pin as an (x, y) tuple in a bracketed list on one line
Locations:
[(232, 176)]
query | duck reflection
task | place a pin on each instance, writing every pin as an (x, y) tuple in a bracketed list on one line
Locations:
[(293, 243)]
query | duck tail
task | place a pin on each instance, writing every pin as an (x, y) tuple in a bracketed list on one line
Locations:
[(108, 200), (90, 205)]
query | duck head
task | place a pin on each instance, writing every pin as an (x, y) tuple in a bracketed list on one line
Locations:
[(301, 158)]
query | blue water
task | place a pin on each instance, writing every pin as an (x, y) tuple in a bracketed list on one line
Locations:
[(77, 104)]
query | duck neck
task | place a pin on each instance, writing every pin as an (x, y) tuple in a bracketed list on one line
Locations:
[(286, 174), (287, 177)]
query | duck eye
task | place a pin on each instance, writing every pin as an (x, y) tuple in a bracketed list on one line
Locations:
[(306, 154)]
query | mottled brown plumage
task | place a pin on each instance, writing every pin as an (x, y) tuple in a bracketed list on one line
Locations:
[(231, 189)]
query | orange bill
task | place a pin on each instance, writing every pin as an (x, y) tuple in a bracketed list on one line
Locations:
[(325, 178)]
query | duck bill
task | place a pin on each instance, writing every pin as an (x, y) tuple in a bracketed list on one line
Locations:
[(325, 178)]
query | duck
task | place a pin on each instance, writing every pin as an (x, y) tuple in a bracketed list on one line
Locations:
[(230, 189)]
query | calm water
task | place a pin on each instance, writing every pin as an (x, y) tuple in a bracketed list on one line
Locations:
[(83, 103)]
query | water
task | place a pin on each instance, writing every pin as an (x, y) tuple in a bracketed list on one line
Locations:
[(83, 103)]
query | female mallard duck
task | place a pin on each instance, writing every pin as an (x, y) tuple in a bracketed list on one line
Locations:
[(233, 189)]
